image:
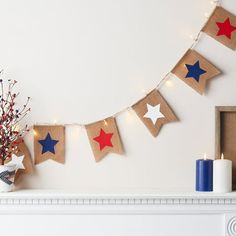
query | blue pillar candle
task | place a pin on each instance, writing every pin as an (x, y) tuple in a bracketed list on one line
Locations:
[(204, 175)]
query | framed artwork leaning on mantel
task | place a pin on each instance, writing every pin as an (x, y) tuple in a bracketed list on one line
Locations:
[(225, 135)]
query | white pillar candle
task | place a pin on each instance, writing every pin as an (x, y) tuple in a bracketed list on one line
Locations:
[(222, 175)]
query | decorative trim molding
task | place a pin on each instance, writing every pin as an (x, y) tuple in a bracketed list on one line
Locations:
[(41, 202), (115, 201), (37, 197)]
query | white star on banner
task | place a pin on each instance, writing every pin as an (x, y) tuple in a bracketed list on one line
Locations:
[(18, 161), (153, 113)]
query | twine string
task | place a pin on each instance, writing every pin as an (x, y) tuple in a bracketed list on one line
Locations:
[(158, 86)]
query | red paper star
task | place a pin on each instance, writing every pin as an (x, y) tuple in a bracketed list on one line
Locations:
[(225, 28), (104, 139)]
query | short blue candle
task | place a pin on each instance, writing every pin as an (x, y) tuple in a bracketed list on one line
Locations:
[(204, 175)]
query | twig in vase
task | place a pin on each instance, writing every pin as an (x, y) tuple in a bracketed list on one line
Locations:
[(10, 118)]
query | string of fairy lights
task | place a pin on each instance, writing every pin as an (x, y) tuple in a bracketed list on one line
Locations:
[(162, 82)]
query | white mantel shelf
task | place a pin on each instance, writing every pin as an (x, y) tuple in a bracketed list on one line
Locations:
[(31, 201), (120, 214)]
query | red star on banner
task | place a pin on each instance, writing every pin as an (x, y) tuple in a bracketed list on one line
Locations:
[(104, 139), (225, 28)]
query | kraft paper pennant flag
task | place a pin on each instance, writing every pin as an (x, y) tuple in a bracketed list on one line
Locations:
[(23, 150), (21, 157), (104, 138), (49, 143), (195, 70), (222, 27), (154, 112)]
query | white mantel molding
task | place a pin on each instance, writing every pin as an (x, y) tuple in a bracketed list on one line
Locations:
[(191, 208), (50, 202)]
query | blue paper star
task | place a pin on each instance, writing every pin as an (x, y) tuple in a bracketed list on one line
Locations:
[(48, 144), (194, 71)]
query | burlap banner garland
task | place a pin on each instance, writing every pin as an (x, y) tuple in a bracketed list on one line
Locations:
[(154, 112), (195, 70), (23, 150), (104, 138), (49, 143), (222, 27)]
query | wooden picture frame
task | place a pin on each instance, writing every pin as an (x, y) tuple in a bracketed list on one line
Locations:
[(225, 135)]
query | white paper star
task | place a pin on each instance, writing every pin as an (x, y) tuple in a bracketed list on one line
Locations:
[(18, 161), (153, 113)]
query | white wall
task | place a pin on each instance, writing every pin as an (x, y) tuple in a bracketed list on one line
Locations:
[(84, 60)]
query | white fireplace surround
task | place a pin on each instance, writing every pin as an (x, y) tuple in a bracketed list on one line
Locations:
[(37, 212)]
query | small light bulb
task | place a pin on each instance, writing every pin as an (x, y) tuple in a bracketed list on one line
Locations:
[(169, 83), (191, 36), (129, 116), (143, 91), (214, 2), (105, 122), (16, 128), (35, 133)]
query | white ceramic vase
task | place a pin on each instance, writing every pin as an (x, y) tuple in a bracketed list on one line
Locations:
[(7, 176)]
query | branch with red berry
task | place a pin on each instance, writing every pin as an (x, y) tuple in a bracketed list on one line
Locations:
[(10, 118)]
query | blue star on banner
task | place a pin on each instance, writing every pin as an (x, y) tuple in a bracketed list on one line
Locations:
[(194, 71), (48, 144)]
